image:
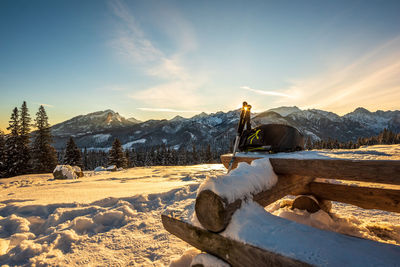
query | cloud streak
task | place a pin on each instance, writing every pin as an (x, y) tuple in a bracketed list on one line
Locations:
[(44, 105), (262, 92), (371, 81)]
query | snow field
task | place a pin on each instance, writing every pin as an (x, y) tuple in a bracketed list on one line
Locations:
[(50, 232), (108, 231), (114, 218)]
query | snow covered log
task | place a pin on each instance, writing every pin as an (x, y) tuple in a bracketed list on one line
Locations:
[(364, 197), (234, 252), (373, 171), (214, 212), (258, 238)]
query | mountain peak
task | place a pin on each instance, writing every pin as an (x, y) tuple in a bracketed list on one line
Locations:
[(361, 110), (284, 111), (177, 118)]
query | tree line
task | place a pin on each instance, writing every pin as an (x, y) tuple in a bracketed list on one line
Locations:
[(385, 137), (22, 152), (147, 156)]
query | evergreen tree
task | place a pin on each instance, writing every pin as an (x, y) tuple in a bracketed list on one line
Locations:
[(14, 163), (24, 130), (2, 154), (134, 159), (309, 143), (44, 156), (195, 155), (128, 158), (208, 154), (73, 155), (116, 155), (85, 159)]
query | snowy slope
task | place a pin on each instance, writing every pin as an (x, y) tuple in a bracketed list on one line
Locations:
[(113, 218)]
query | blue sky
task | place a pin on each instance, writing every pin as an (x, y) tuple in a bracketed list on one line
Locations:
[(157, 59)]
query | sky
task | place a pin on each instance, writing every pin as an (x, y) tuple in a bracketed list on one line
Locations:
[(158, 59)]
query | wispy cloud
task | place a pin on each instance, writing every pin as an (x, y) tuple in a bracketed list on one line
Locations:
[(169, 110), (44, 105), (174, 80), (371, 81), (262, 92)]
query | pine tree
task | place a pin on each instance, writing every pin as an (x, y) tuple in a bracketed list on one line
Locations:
[(128, 158), (73, 155), (85, 160), (24, 130), (44, 156), (14, 163), (116, 155), (309, 144), (195, 155), (2, 154), (208, 154)]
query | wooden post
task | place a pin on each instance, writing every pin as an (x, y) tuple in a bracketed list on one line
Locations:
[(214, 212)]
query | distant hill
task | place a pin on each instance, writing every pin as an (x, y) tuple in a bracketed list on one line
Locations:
[(97, 130)]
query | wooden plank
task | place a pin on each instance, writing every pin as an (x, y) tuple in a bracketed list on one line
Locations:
[(273, 241), (364, 197), (214, 212), (373, 171), (234, 252)]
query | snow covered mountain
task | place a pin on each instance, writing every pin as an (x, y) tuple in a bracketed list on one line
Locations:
[(98, 130), (92, 123)]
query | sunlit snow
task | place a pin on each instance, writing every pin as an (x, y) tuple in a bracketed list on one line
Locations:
[(113, 218)]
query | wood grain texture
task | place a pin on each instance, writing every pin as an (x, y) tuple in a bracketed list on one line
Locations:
[(364, 197), (214, 212), (373, 171), (234, 252)]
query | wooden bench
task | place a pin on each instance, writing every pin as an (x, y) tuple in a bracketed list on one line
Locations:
[(297, 177)]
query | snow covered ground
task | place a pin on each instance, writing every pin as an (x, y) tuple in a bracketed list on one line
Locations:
[(104, 218), (113, 218)]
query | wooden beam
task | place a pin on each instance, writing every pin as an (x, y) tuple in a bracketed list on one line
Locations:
[(214, 212), (279, 242), (364, 197), (373, 171), (234, 252)]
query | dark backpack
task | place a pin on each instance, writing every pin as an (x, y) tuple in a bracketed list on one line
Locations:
[(273, 138)]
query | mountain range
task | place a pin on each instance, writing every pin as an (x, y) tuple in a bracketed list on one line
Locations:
[(98, 130)]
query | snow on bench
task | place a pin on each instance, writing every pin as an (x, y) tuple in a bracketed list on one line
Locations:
[(234, 203)]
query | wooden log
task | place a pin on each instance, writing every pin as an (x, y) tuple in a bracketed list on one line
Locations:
[(373, 171), (364, 197), (305, 202), (234, 252), (280, 242), (214, 212)]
